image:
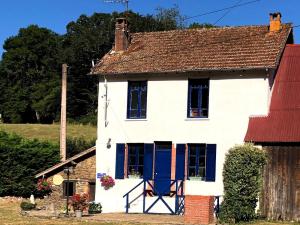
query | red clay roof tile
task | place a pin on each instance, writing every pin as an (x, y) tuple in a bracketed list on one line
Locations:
[(246, 47)]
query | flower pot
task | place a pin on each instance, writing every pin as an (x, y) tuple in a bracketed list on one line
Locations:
[(196, 178), (78, 213), (134, 176)]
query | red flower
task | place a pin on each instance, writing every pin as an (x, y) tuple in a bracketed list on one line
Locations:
[(79, 201), (43, 185), (107, 182)]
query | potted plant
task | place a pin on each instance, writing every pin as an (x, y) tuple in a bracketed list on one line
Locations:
[(95, 208), (79, 202), (43, 184), (107, 182), (134, 174), (44, 187)]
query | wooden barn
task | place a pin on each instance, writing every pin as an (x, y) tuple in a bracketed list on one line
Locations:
[(279, 134)]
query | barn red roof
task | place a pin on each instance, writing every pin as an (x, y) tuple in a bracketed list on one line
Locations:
[(226, 48), (283, 121)]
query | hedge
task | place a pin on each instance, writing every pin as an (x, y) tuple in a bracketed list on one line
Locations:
[(242, 178), (20, 160)]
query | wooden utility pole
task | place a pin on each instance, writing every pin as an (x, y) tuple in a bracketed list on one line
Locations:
[(63, 114)]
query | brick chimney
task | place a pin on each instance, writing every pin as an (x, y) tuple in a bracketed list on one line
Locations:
[(275, 22), (121, 35)]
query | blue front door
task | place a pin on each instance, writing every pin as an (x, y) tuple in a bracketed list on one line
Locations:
[(162, 173)]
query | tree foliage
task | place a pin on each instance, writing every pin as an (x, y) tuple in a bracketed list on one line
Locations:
[(201, 25), (30, 70), (242, 177)]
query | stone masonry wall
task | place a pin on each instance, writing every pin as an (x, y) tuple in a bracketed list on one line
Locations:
[(84, 172)]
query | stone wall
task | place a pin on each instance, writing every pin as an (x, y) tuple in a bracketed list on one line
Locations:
[(84, 173)]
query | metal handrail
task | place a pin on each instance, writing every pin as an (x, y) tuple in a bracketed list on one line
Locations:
[(133, 188), (179, 194)]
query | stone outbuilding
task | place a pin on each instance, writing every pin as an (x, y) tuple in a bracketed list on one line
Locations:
[(81, 179)]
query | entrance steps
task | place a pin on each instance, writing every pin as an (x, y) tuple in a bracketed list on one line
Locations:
[(159, 207)]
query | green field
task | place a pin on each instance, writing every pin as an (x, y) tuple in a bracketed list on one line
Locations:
[(50, 132)]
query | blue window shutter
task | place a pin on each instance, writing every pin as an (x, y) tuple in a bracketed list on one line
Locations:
[(180, 161), (148, 161), (211, 162), (120, 158)]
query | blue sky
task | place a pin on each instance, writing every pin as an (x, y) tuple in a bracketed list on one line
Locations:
[(56, 14)]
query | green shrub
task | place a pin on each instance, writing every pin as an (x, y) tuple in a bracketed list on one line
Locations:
[(26, 206), (89, 119), (95, 208), (21, 160), (242, 177), (77, 145)]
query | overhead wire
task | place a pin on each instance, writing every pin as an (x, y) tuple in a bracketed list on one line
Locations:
[(226, 13), (220, 10)]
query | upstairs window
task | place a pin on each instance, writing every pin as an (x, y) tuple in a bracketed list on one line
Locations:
[(136, 159), (198, 98), (197, 161), (137, 100)]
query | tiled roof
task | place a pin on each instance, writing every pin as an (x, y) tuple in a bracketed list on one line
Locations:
[(227, 48), (283, 122)]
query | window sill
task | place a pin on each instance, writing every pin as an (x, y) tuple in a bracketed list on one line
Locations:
[(196, 119), (134, 178), (196, 179), (136, 119)]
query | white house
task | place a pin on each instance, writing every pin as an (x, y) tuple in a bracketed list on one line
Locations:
[(172, 103)]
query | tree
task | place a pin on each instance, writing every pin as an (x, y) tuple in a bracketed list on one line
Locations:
[(242, 178), (196, 25), (90, 38), (170, 19), (30, 67)]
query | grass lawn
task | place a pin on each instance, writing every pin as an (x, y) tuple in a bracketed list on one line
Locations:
[(50, 132), (10, 215)]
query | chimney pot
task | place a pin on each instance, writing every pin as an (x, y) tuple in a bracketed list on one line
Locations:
[(275, 22), (121, 35)]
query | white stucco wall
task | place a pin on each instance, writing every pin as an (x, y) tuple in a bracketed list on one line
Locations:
[(232, 99)]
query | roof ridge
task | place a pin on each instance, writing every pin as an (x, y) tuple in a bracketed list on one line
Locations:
[(58, 165), (205, 28)]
